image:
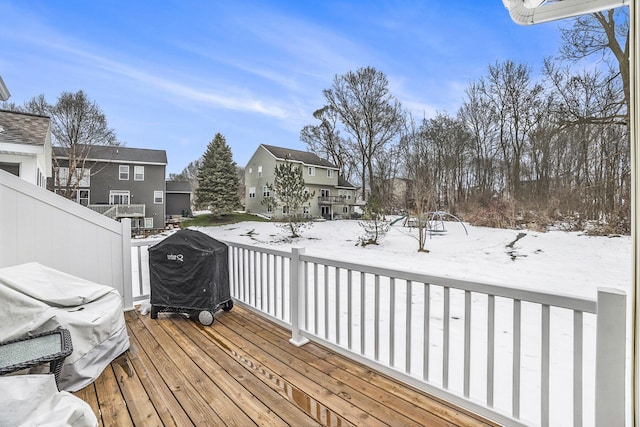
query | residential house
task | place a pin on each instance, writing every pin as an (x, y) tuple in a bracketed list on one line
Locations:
[(121, 182), (25, 146), (334, 197)]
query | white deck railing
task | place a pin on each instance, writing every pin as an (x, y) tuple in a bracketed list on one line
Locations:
[(508, 354)]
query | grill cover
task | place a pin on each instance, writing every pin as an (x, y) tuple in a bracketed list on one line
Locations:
[(189, 271)]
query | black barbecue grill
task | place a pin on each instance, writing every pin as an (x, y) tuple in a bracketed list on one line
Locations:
[(189, 273)]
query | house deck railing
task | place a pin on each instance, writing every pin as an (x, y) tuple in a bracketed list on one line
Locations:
[(501, 352), (120, 211), (332, 200)]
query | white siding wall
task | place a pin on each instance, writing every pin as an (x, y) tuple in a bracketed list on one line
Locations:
[(38, 225)]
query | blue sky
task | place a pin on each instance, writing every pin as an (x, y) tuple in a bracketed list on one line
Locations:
[(171, 74)]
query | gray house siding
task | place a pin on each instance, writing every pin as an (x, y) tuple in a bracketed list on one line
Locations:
[(105, 181)]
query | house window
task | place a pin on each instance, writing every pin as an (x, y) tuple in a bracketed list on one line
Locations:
[(158, 197), (285, 209), (265, 191), (83, 197), (345, 209), (138, 173), (124, 172), (269, 209), (305, 209), (329, 173), (252, 192), (250, 170), (259, 171), (324, 192), (118, 197), (148, 223), (63, 176), (312, 171)]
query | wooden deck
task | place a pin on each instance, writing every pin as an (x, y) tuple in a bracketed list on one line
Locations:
[(243, 371)]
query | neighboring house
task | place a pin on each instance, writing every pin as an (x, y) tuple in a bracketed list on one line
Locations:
[(334, 197), (178, 198), (25, 146), (122, 182)]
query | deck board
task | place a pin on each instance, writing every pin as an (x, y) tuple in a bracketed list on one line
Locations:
[(243, 371)]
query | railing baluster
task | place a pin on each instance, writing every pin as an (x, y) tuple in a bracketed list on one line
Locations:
[(515, 387), (544, 366), (349, 309), (362, 313), (337, 304), (427, 335), (326, 302), (306, 302), (392, 320), (376, 321), (446, 338), (407, 348), (316, 315), (467, 343), (140, 282), (577, 367), (491, 345), (268, 283)]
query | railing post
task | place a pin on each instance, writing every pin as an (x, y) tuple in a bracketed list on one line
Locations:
[(127, 283), (610, 357), (297, 297)]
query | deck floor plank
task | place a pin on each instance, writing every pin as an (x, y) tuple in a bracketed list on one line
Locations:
[(293, 367), (191, 401), (113, 407), (242, 370), (268, 402), (169, 409), (380, 387)]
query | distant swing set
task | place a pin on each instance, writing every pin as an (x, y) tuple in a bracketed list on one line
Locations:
[(434, 223)]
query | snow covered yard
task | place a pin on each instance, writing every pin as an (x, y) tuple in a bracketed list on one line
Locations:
[(558, 262)]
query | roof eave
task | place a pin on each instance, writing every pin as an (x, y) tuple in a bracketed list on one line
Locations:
[(524, 14)]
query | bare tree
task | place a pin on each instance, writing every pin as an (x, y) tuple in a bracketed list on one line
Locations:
[(325, 140), (605, 33), (515, 103), (77, 125), (369, 113)]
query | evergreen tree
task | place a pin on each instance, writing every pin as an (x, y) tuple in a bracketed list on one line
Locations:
[(217, 179), (288, 193)]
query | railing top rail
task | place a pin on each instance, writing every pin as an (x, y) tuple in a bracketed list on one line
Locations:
[(556, 300), (275, 252)]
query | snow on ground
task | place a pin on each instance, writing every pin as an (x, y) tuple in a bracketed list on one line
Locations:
[(557, 261)]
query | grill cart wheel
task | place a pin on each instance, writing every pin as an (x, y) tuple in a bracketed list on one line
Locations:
[(205, 317), (154, 312), (227, 305)]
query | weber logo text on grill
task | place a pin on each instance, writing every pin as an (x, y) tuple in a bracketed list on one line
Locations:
[(175, 257)]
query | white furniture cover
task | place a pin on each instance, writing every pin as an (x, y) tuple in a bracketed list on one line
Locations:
[(34, 400), (36, 298)]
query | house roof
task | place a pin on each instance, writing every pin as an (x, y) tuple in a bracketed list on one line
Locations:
[(23, 128), (344, 183), (117, 154), (305, 157), (178, 187)]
